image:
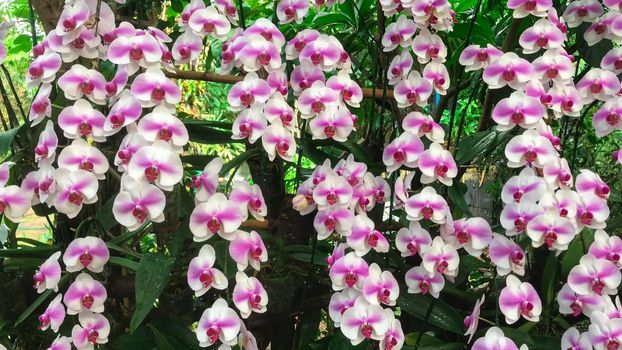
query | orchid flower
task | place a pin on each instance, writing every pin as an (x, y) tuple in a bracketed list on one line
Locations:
[(423, 125), (45, 151), (472, 321), (428, 205), (202, 276), (474, 57), (41, 106), (156, 164), (217, 215), (594, 276), (79, 155), (414, 89), (508, 69), (403, 150), (518, 109), (473, 234), (436, 163), (249, 295), (219, 322), (74, 189), (248, 91), (124, 112), (413, 240), (364, 238), (506, 255), (572, 339), (494, 339), (153, 88), (48, 274), (380, 287), (85, 294), (349, 271), (441, 257), (571, 303), (136, 202), (364, 321), (519, 299), (524, 186), (419, 280), (89, 253), (340, 302), (79, 82), (605, 333), (529, 149), (82, 120), (606, 247), (92, 330), (248, 248), (399, 67)]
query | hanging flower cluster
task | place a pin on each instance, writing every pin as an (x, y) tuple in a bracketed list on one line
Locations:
[(217, 215), (540, 201), (85, 296), (262, 97)]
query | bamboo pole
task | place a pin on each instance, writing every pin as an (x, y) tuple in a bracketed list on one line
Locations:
[(232, 79)]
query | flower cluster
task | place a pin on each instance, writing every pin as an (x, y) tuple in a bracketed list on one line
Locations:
[(261, 98), (214, 215), (85, 296)]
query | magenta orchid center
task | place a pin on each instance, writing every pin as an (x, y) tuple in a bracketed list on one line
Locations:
[(41, 150), (442, 266), (136, 53), (87, 301), (517, 258), (140, 213), (117, 119), (597, 286), (586, 218), (282, 147), (39, 279), (213, 334), (399, 156), (214, 225), (351, 279), (85, 128), (441, 170), (366, 330), (525, 308), (152, 173), (427, 211), (372, 238), (92, 336), (44, 321), (520, 224), (463, 236), (85, 259), (550, 237), (577, 308), (255, 301), (424, 286), (613, 344), (206, 278), (256, 252), (75, 198), (158, 94)]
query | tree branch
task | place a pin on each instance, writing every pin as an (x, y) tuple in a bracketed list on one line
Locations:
[(232, 79)]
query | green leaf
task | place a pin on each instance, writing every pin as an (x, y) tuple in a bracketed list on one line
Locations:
[(578, 247), (230, 165), (6, 138), (105, 215), (518, 337), (161, 340), (549, 278), (308, 327), (42, 252), (443, 315), (546, 342), (123, 262), (480, 144), (209, 135), (223, 259), (142, 338), (152, 277), (456, 194), (324, 19), (43, 297)]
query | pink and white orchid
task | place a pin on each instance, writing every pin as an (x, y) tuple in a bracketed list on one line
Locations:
[(202, 275)]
